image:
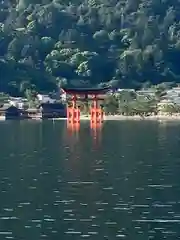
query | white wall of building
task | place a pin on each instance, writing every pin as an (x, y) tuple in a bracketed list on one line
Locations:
[(18, 102), (45, 98)]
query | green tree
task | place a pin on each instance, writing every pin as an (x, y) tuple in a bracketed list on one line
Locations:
[(170, 108), (111, 105), (93, 41)]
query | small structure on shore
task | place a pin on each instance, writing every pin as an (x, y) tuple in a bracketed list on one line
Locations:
[(47, 110), (44, 98), (54, 110), (10, 112), (18, 102), (32, 113)]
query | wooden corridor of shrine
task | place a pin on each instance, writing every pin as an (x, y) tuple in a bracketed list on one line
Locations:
[(85, 94)]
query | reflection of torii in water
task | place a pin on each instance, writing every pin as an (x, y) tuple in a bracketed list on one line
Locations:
[(96, 129)]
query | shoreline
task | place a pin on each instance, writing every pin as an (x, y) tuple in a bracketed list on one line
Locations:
[(161, 118), (137, 118)]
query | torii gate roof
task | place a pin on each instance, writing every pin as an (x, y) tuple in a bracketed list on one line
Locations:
[(86, 91)]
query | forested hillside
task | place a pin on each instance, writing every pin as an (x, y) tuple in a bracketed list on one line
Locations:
[(128, 43)]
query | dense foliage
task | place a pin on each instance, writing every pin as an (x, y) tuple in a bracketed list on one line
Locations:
[(45, 43), (130, 103)]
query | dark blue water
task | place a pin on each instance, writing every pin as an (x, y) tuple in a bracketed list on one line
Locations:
[(121, 182)]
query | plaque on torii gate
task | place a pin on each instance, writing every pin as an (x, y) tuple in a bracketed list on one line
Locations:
[(96, 111)]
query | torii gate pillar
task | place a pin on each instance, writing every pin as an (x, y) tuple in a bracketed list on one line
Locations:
[(73, 112), (96, 112)]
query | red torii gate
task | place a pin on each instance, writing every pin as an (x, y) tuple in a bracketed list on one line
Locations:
[(96, 112)]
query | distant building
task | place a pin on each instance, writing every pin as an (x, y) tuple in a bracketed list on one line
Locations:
[(146, 92), (32, 113), (175, 89), (163, 103), (62, 95), (10, 112), (47, 110), (124, 90), (55, 110), (174, 92), (125, 93), (45, 98), (18, 102), (173, 95)]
